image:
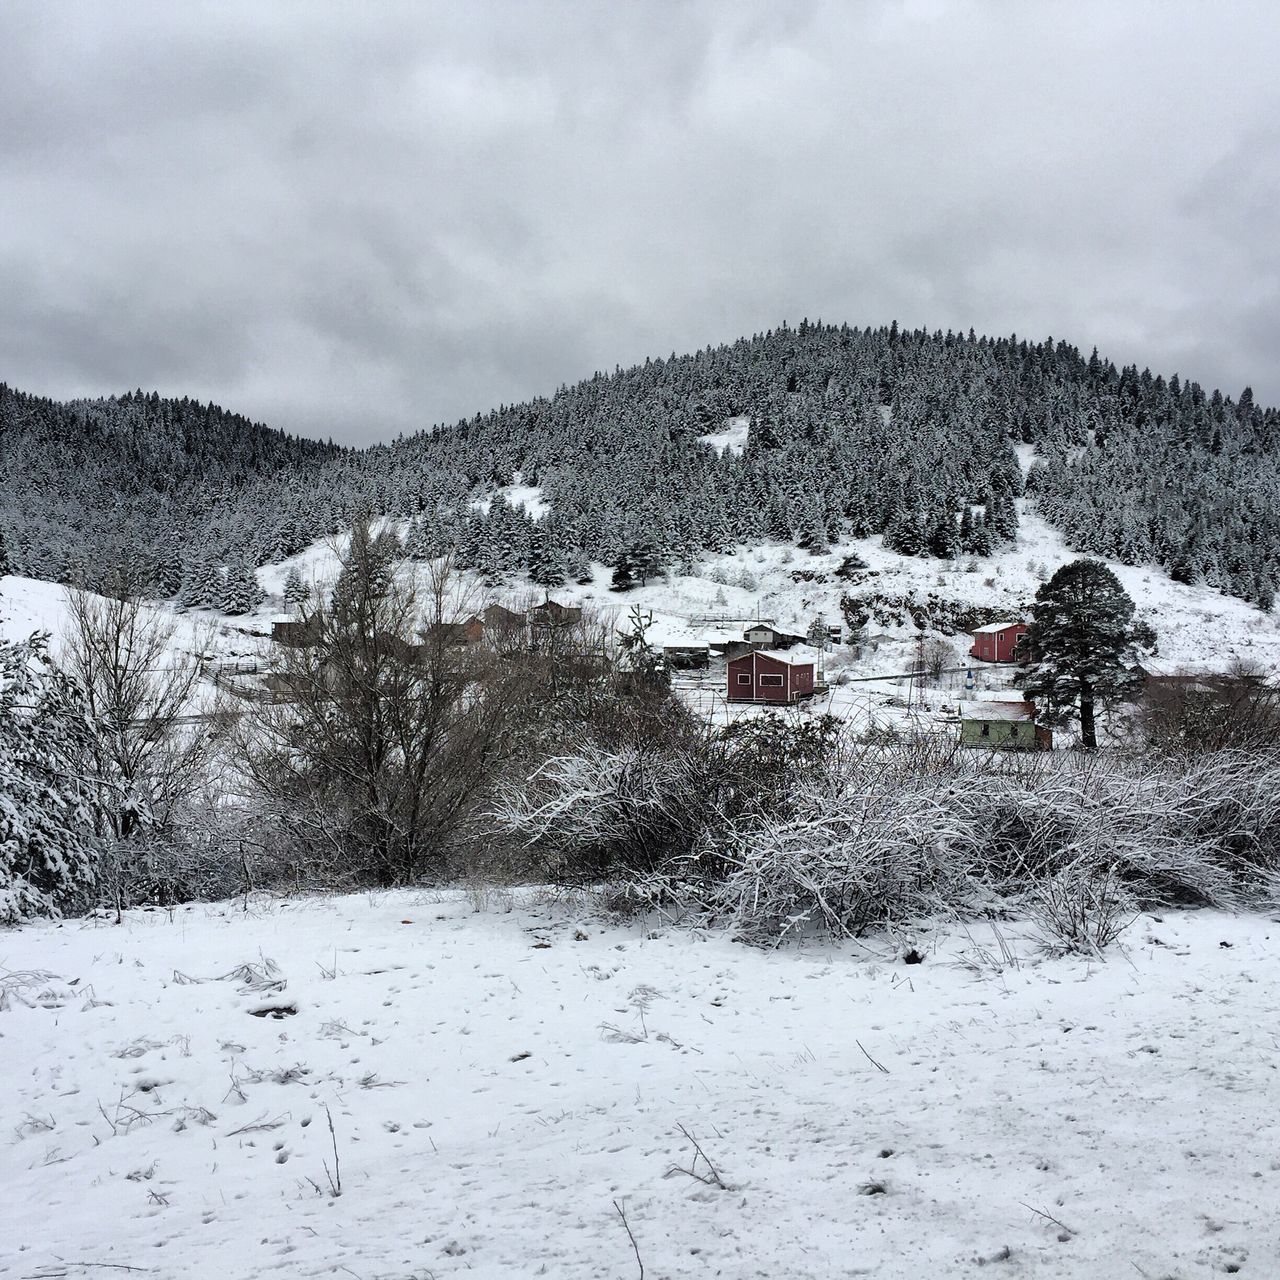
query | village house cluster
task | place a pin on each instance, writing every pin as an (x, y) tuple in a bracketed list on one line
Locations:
[(500, 626), (766, 665)]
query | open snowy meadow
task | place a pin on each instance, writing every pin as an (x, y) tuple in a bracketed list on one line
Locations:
[(413, 1085)]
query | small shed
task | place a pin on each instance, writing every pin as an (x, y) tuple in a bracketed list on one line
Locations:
[(764, 636), (687, 657), (296, 633), (402, 650), (468, 631), (764, 676), (997, 641), (1006, 726), (501, 618), (553, 614)]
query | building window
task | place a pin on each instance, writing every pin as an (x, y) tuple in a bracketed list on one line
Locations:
[(775, 682), (744, 677), (986, 731), (1013, 731)]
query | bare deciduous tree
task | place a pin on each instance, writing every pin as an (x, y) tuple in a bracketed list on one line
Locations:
[(151, 742), (385, 731), (1188, 714)]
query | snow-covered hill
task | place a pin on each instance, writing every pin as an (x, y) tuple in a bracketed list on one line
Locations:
[(1199, 629), (500, 1084)]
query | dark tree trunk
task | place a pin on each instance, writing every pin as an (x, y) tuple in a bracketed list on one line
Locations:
[(1088, 732)]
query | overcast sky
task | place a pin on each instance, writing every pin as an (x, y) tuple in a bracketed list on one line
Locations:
[(363, 219)]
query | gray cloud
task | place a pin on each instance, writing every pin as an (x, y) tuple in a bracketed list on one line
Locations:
[(363, 220)]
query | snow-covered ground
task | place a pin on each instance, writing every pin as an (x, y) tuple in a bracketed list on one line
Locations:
[(1199, 629), (498, 1080), (217, 643), (28, 604), (732, 438)]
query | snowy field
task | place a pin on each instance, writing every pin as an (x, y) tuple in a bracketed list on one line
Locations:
[(499, 1079)]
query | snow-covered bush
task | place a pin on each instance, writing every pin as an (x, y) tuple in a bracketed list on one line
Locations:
[(603, 810), (1083, 908), (47, 841), (877, 857), (894, 831), (644, 803)]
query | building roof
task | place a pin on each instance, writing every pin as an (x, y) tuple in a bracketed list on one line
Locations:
[(992, 627), (1017, 711), (779, 655), (773, 630)]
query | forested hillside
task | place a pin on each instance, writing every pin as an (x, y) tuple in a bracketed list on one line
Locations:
[(132, 481), (852, 431)]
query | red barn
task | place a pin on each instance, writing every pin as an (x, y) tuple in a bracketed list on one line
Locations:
[(996, 642), (761, 676)]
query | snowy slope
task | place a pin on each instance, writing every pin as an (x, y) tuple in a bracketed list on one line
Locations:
[(733, 437), (1199, 628), (27, 605), (497, 1081)]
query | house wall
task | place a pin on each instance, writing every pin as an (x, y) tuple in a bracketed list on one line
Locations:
[(1016, 735), (997, 646), (785, 682), (801, 680), (300, 634)]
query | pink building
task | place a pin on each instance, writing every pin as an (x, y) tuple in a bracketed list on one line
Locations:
[(997, 641)]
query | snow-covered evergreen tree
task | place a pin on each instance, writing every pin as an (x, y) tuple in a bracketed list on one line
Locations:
[(624, 573), (47, 842), (580, 566), (240, 590), (296, 593), (1082, 645)]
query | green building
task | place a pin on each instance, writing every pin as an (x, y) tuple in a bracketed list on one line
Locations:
[(1003, 726)]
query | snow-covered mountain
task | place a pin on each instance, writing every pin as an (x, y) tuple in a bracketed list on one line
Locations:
[(808, 436)]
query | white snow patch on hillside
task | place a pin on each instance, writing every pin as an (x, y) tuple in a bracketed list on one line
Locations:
[(319, 564), (527, 497), (732, 438), (497, 1082), (28, 605), (202, 636), (1026, 454)]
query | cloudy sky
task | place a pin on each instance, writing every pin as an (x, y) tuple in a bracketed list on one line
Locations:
[(362, 219)]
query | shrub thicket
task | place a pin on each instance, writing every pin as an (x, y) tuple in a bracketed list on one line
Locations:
[(863, 834)]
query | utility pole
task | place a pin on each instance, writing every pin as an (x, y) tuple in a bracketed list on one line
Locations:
[(919, 672)]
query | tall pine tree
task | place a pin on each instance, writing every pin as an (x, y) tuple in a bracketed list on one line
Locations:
[(1082, 647)]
